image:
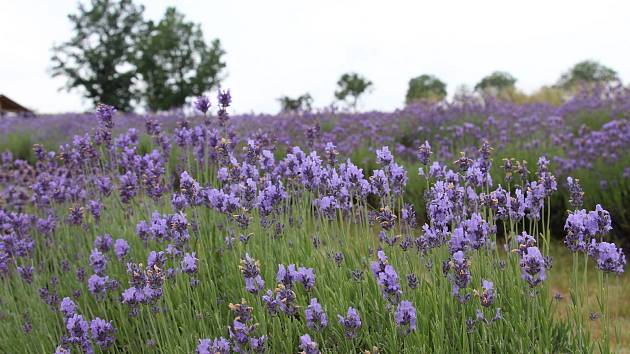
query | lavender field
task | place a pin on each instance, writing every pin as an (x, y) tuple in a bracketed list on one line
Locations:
[(470, 226)]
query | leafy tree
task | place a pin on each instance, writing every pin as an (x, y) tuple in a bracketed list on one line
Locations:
[(425, 87), (496, 82), (175, 62), (587, 72), (302, 103), (352, 85), (97, 59)]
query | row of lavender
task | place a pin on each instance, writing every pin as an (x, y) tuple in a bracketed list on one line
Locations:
[(449, 127), (181, 212)]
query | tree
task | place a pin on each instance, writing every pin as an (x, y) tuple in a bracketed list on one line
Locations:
[(302, 103), (176, 63), (352, 85), (97, 59), (496, 82), (425, 87), (587, 72)]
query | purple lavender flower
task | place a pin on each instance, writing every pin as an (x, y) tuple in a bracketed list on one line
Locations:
[(251, 271), (97, 261), (351, 322), (95, 208), (384, 157), (121, 248), (307, 277), (77, 328), (533, 266), (103, 243), (67, 307), (487, 293), (98, 285), (524, 242), (102, 332), (315, 316), (189, 263), (576, 195), (460, 277), (105, 114), (408, 216), (217, 346), (609, 257), (75, 217), (307, 345), (476, 231), (128, 186), (412, 281), (406, 317), (327, 205), (202, 104), (424, 153), (26, 272), (390, 285), (156, 259)]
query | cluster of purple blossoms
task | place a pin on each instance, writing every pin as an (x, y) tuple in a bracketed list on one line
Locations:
[(424, 153), (385, 217), (103, 243), (486, 297), (351, 322), (242, 331), (251, 271), (576, 195), (98, 285), (308, 346), (406, 317), (215, 346), (476, 231), (458, 271), (98, 261), (202, 104), (189, 263), (387, 278), (316, 317), (288, 275), (524, 242), (121, 249), (609, 258), (103, 333), (146, 283), (128, 186), (581, 226), (533, 266)]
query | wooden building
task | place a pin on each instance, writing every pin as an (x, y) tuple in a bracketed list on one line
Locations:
[(9, 106)]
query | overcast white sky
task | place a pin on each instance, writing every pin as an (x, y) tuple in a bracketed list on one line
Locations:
[(290, 47)]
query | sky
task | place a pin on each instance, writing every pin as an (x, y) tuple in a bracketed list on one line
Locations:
[(291, 47)]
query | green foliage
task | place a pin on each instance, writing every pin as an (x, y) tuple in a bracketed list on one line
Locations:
[(96, 59), (20, 145), (587, 72), (115, 57), (176, 62), (303, 103), (497, 81), (425, 87), (352, 85)]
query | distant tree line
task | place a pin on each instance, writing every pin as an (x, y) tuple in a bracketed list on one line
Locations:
[(117, 57), (500, 84)]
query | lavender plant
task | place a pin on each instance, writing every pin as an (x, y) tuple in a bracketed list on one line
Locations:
[(210, 239)]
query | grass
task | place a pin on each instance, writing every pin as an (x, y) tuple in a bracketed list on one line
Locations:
[(619, 300)]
